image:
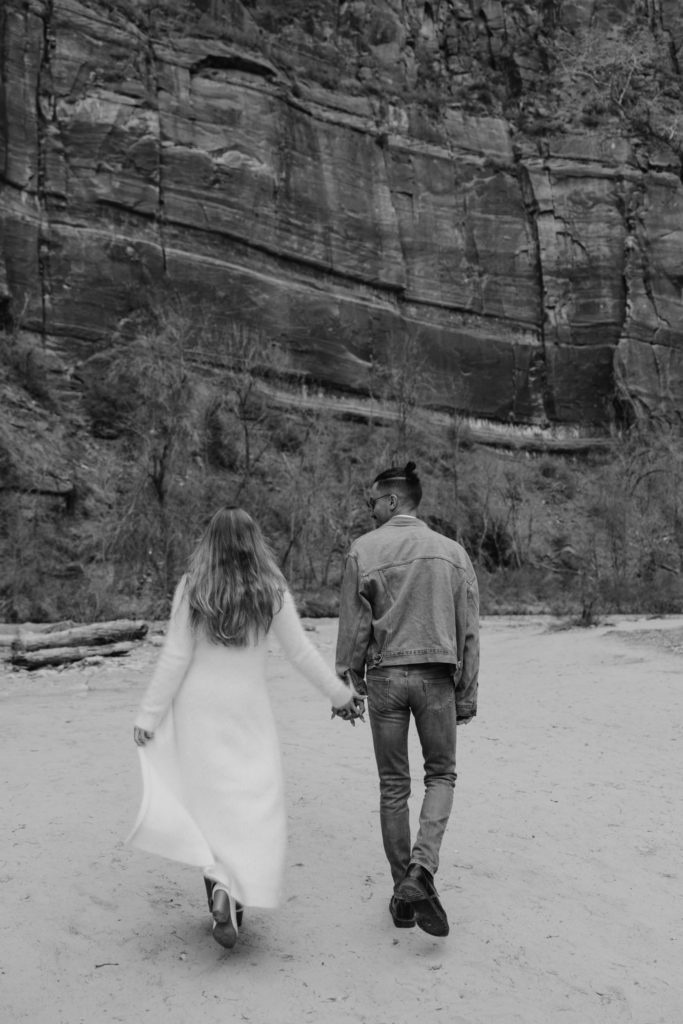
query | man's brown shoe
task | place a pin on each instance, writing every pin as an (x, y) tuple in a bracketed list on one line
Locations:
[(402, 913), (417, 889)]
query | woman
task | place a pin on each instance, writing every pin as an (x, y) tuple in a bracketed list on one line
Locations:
[(209, 750)]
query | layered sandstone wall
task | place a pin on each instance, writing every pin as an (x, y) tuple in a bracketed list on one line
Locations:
[(347, 179)]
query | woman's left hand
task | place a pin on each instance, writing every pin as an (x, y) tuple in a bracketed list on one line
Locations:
[(141, 736)]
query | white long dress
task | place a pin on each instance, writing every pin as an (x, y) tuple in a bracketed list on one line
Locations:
[(213, 792)]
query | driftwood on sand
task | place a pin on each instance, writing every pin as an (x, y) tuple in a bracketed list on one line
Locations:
[(77, 636), (64, 655), (103, 639)]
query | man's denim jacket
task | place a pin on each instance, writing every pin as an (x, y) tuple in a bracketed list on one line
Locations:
[(410, 596)]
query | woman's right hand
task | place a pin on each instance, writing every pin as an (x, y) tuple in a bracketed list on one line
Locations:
[(141, 736), (353, 709)]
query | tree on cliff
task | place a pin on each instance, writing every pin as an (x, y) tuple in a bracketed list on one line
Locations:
[(404, 381), (241, 361), (143, 392), (626, 73)]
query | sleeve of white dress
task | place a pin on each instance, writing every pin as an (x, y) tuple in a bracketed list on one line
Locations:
[(304, 656), (171, 666)]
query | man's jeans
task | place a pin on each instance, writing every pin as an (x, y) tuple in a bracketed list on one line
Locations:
[(428, 692)]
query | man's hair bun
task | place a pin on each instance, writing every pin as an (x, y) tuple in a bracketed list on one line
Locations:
[(406, 477)]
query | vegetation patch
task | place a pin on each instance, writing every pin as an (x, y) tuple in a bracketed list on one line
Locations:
[(177, 414)]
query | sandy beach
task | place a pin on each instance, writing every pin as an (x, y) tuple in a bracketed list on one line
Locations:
[(560, 872)]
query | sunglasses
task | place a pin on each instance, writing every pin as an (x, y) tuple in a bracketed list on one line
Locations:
[(371, 502)]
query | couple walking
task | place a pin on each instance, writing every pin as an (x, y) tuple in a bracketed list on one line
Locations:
[(213, 793)]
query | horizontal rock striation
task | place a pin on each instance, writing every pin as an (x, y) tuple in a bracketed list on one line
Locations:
[(326, 175)]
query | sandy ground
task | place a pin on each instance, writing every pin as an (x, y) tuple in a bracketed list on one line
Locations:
[(561, 869)]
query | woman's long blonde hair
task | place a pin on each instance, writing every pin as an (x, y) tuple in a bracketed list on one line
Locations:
[(234, 586)]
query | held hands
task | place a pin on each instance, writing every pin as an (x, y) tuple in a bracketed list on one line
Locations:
[(355, 708), (351, 711), (141, 736)]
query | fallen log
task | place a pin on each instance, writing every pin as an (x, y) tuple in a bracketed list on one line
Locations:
[(10, 632), (51, 656), (92, 634)]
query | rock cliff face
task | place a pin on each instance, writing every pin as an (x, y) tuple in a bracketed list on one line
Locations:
[(355, 180)]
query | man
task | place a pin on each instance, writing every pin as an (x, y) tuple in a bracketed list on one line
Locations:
[(409, 623)]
